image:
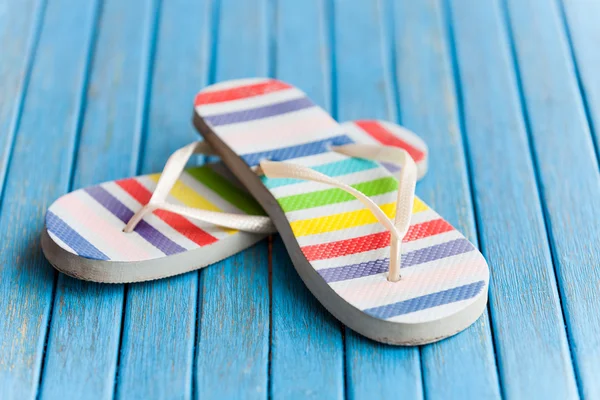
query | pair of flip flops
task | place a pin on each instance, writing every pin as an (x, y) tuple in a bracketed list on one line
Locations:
[(341, 196)]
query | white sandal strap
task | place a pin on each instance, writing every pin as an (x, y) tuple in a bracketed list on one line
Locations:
[(169, 176), (174, 167), (262, 224), (407, 179)]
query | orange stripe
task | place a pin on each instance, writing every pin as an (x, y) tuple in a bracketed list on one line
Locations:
[(176, 221), (384, 136), (239, 92), (373, 242)]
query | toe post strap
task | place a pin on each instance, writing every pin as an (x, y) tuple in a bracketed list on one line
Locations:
[(407, 178)]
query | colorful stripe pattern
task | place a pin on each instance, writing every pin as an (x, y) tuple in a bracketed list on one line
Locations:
[(76, 242), (72, 221), (88, 222), (442, 271)]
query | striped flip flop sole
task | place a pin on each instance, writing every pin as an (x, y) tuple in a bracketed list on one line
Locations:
[(83, 235), (337, 246)]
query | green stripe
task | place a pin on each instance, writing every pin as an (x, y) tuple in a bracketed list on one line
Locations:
[(221, 186), (334, 196)]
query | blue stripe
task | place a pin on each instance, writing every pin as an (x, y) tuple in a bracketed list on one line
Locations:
[(428, 301), (416, 257), (74, 240), (259, 112), (301, 150), (337, 168)]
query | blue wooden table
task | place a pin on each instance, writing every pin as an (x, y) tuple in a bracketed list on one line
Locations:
[(506, 94)]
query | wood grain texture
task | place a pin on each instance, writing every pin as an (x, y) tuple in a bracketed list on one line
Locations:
[(233, 336), (505, 92), (365, 90), (429, 106), (568, 174), (39, 172), (307, 351), (20, 25), (530, 339), (303, 48), (85, 328), (307, 355), (581, 18), (160, 317)]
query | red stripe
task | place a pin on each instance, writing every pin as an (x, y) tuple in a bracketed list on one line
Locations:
[(384, 136), (176, 221), (426, 229), (373, 242), (240, 92)]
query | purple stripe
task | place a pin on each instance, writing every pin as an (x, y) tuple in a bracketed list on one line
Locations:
[(260, 112), (390, 167), (427, 301), (416, 257), (144, 229), (71, 238)]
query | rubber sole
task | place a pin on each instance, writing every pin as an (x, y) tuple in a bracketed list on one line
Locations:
[(395, 333), (140, 271)]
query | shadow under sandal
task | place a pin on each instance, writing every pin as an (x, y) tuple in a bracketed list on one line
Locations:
[(160, 225), (378, 258)]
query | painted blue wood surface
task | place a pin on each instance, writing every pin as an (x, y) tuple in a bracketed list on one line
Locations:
[(85, 328), (20, 24), (429, 106), (506, 93), (306, 341), (365, 90), (530, 339), (232, 350), (581, 24), (39, 172), (160, 317), (568, 174)]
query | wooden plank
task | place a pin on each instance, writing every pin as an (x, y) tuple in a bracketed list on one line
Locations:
[(365, 90), (307, 348), (233, 337), (529, 335), (568, 174), (581, 17), (429, 106), (160, 317), (307, 355), (158, 339), (20, 24), (39, 172), (82, 352), (302, 48)]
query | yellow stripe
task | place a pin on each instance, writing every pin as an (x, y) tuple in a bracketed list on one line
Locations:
[(347, 220), (191, 198), (419, 206)]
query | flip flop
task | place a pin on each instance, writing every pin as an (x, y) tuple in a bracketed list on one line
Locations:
[(183, 220), (378, 258)]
